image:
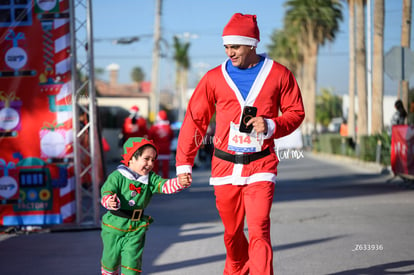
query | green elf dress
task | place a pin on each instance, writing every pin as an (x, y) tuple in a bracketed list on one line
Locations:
[(123, 230)]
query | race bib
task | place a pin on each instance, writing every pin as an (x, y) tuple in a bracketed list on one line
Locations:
[(244, 142)]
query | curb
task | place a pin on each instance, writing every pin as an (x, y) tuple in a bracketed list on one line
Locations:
[(357, 163)]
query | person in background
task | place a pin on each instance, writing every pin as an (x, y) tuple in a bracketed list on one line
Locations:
[(162, 134), (343, 130), (134, 125), (244, 165), (125, 194), (398, 118)]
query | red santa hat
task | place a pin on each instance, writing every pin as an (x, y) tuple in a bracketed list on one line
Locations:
[(162, 115), (242, 29), (134, 109)]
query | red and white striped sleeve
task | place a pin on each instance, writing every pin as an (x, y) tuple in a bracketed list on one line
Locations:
[(105, 202), (172, 186)]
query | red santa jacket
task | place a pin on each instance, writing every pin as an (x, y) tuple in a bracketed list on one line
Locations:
[(162, 135), (137, 129), (274, 89)]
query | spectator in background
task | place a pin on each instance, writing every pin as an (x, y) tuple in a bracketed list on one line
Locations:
[(398, 118), (162, 135), (134, 125), (343, 130)]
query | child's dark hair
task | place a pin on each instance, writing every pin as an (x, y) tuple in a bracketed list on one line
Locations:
[(140, 150)]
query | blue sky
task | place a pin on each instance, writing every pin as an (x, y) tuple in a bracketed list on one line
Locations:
[(204, 21)]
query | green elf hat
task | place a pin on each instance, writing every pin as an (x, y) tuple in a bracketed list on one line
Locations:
[(132, 145)]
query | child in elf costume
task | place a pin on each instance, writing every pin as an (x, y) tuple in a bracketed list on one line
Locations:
[(126, 193)]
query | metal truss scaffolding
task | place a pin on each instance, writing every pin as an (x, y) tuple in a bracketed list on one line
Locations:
[(87, 145)]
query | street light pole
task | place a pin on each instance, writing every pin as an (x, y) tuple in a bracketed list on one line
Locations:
[(369, 66), (155, 62)]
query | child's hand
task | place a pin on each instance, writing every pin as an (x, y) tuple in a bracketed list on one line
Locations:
[(185, 179), (113, 202)]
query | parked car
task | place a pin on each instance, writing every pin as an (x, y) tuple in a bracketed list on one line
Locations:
[(335, 124)]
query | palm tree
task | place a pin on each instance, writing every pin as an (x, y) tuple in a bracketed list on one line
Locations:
[(284, 49), (182, 63), (317, 22), (351, 111), (405, 42), (378, 68), (137, 75), (361, 72)]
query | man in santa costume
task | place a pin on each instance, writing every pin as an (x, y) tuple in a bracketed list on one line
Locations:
[(162, 135), (244, 165), (134, 125)]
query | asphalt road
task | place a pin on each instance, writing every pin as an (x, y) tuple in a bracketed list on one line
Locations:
[(330, 216)]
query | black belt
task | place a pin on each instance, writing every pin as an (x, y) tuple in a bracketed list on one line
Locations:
[(242, 158), (133, 215)]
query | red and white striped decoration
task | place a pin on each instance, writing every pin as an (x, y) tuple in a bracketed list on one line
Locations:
[(63, 109)]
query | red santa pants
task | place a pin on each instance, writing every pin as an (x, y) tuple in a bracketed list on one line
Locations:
[(253, 202)]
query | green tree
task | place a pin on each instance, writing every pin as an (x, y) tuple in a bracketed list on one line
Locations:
[(284, 49), (137, 75), (328, 106), (315, 22), (99, 71), (182, 63)]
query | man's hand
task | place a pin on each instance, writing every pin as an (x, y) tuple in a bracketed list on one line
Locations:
[(185, 179), (259, 124)]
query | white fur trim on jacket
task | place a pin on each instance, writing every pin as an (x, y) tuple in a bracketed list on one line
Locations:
[(239, 180)]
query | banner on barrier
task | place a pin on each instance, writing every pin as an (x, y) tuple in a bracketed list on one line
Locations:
[(36, 136), (402, 150)]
